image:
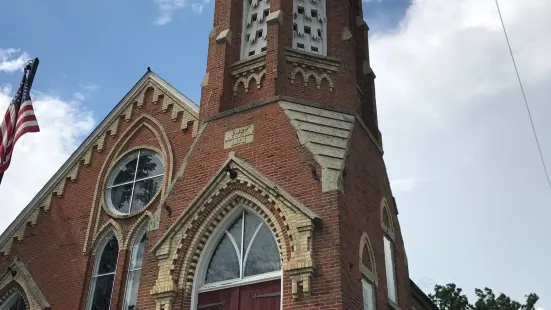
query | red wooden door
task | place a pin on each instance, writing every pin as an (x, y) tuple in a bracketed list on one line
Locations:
[(261, 296), (258, 296)]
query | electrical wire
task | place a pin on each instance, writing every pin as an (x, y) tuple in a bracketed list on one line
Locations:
[(524, 96)]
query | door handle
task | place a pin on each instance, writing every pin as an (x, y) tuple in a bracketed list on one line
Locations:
[(221, 303), (267, 295)]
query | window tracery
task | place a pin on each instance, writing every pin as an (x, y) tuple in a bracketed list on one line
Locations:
[(134, 181), (246, 248), (15, 302)]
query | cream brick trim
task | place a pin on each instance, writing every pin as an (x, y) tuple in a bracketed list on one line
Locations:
[(139, 225), (292, 223), (269, 187), (209, 225), (389, 230), (110, 227), (369, 273), (306, 74), (23, 283), (246, 80), (308, 64), (171, 98), (246, 70), (98, 201)]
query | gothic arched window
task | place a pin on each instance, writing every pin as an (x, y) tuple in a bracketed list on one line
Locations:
[(14, 302), (369, 273), (103, 276), (246, 248), (134, 272)]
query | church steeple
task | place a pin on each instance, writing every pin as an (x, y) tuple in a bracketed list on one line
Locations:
[(312, 50)]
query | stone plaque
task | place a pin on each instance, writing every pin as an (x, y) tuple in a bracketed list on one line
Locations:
[(239, 136)]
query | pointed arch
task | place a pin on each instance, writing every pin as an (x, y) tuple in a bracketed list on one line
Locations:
[(210, 224), (17, 281), (9, 295), (105, 264), (116, 153), (109, 228), (368, 266), (291, 222), (387, 220), (137, 228)]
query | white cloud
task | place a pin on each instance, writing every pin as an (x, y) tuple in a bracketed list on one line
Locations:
[(168, 8), (12, 60), (452, 114), (79, 96), (197, 7), (37, 156), (90, 87)]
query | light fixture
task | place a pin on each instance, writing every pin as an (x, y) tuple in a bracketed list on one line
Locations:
[(231, 172)]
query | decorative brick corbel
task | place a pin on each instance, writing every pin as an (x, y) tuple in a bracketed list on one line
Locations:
[(301, 267), (163, 294)]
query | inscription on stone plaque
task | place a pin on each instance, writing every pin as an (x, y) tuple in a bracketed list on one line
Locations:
[(239, 136)]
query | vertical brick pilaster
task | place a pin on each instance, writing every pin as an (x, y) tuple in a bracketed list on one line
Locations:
[(224, 49), (119, 285)]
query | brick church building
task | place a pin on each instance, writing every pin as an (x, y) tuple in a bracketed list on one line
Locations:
[(273, 194)]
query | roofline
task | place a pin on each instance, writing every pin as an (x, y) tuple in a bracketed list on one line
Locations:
[(192, 105), (65, 168), (424, 298)]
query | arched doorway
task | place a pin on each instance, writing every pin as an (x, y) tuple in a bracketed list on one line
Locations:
[(240, 267)]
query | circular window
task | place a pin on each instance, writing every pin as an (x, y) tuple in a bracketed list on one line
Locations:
[(134, 181)]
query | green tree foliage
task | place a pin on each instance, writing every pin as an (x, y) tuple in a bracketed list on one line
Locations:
[(450, 297)]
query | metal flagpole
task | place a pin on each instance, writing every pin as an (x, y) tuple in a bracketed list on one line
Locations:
[(29, 73)]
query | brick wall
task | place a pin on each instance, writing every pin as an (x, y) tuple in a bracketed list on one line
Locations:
[(53, 249), (366, 182)]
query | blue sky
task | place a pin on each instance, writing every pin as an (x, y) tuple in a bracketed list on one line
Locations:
[(111, 43), (473, 200)]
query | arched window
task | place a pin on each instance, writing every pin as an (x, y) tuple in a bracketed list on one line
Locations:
[(103, 276), (14, 302), (247, 248), (390, 258), (134, 272), (241, 264), (369, 273)]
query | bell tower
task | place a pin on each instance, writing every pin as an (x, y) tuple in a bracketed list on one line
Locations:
[(290, 86), (312, 50)]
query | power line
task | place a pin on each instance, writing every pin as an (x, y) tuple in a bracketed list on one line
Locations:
[(524, 96)]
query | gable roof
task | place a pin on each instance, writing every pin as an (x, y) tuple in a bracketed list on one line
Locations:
[(68, 169)]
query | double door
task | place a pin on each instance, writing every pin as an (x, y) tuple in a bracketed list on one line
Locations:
[(258, 296)]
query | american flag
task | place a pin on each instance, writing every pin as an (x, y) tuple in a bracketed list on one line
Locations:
[(18, 120)]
